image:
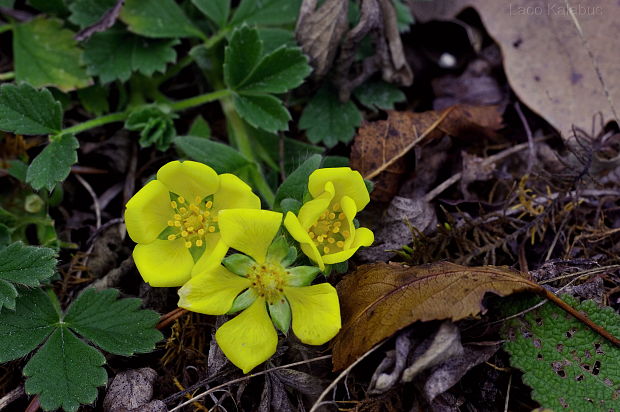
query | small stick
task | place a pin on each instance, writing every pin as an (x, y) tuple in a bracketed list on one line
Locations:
[(170, 317), (11, 396), (34, 405)]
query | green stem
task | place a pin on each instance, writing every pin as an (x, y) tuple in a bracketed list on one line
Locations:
[(6, 27), (122, 116), (7, 76), (215, 39)]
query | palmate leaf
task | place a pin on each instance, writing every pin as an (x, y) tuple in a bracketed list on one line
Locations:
[(23, 265), (267, 12), (568, 366), (158, 19), (282, 70), (87, 12), (46, 54), (242, 55), (216, 10), (54, 163), (66, 372), (115, 54), (26, 110), (379, 95), (263, 111)]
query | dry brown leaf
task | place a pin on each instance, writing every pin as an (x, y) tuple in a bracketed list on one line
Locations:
[(379, 147), (380, 299), (565, 73)]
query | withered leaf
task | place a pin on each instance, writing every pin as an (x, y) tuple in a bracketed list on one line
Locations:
[(379, 147), (379, 299)]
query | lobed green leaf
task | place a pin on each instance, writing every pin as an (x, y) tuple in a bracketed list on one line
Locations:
[(158, 19), (262, 111), (87, 12), (241, 56), (267, 12), (379, 95), (278, 72), (26, 110), (222, 158), (54, 163), (294, 187), (216, 10)]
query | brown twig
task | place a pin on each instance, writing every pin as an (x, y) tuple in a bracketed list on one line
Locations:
[(11, 396), (170, 317), (34, 405)]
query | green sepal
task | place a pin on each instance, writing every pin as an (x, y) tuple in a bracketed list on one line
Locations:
[(278, 250), (238, 264), (370, 186), (243, 301), (302, 275), (290, 257), (280, 313), (290, 205), (169, 230), (341, 267), (197, 251)]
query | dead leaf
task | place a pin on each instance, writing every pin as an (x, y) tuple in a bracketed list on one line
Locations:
[(379, 147), (379, 299), (564, 73), (319, 32), (130, 390)]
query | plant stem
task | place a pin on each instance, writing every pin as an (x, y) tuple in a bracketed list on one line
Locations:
[(122, 116), (6, 27), (7, 76)]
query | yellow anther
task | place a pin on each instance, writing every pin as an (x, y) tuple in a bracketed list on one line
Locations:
[(194, 209), (311, 234), (172, 237), (184, 233), (214, 219), (209, 204), (330, 240), (320, 238), (197, 199), (181, 199), (183, 210), (346, 233), (341, 216), (336, 207), (199, 242), (201, 218), (340, 243), (336, 229), (177, 223), (207, 213), (211, 229), (173, 204), (201, 232), (190, 228), (177, 216), (188, 244), (332, 216), (171, 223), (337, 224), (326, 249)]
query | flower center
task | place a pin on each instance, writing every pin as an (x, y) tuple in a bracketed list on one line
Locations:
[(329, 232), (192, 221), (268, 280)]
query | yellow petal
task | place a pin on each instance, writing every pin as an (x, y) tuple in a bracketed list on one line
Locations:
[(148, 212), (234, 193), (363, 237), (316, 312), (249, 231), (214, 252), (300, 234), (311, 210), (164, 262), (189, 179), (349, 209), (347, 182), (250, 338), (212, 292)]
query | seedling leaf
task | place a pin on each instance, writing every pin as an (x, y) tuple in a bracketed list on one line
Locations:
[(54, 163), (26, 110)]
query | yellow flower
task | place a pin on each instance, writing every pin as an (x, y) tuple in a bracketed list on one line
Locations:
[(173, 220), (262, 285), (324, 226)]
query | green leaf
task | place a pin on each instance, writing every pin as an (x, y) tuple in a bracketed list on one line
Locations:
[(242, 55), (49, 6), (262, 111), (88, 12), (7, 3), (155, 124), (115, 54), (296, 184), (65, 372), (404, 18), (158, 19), (328, 120), (216, 10), (22, 265), (200, 128), (94, 99), (568, 366), (267, 12), (27, 326), (278, 72), (54, 163), (222, 158), (47, 55), (294, 153), (117, 326), (18, 169), (26, 110), (274, 38), (379, 95)]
